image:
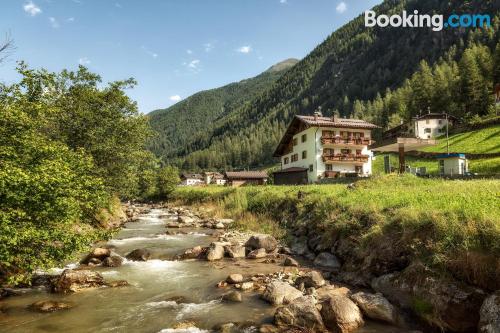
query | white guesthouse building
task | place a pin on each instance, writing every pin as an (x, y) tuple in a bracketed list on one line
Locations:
[(317, 147)]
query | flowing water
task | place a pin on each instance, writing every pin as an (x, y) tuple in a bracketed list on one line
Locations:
[(149, 304)]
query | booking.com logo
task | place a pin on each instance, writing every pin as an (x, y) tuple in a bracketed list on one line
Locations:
[(436, 22)]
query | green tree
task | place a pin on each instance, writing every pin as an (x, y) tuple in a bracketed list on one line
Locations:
[(168, 178)]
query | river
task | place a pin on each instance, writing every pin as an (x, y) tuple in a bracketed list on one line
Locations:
[(161, 294)]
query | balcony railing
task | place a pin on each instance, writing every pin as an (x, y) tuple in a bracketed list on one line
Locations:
[(345, 158), (347, 141)]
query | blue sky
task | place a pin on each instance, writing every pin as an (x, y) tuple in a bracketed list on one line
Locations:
[(173, 48)]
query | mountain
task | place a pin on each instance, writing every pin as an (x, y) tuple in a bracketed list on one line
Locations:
[(186, 126), (382, 75)]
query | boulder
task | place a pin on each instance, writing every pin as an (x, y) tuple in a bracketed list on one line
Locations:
[(289, 261), (74, 281), (94, 262), (299, 246), (267, 242), (235, 251), (489, 314), (219, 226), (311, 279), (256, 254), (185, 219), (113, 261), (325, 292), (139, 255), (8, 292), (215, 252), (302, 312), (194, 253), (341, 315), (375, 306), (50, 306), (234, 278), (278, 293), (117, 283), (232, 296), (246, 285), (268, 328), (328, 261), (97, 253)]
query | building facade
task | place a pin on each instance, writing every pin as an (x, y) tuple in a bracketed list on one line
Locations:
[(328, 147), (453, 164), (242, 178), (214, 178), (191, 179), (427, 126)]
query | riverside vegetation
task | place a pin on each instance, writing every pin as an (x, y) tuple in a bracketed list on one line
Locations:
[(431, 234)]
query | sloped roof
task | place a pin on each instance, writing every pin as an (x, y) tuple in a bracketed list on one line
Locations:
[(435, 116), (291, 169), (313, 121), (191, 176), (246, 174)]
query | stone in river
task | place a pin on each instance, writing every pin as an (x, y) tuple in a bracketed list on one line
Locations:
[(375, 306), (235, 251), (215, 252), (340, 314), (269, 243), (302, 312), (118, 283), (289, 261), (328, 261), (311, 279), (139, 255), (234, 278), (278, 293), (232, 296), (113, 261), (76, 280), (256, 254), (219, 226), (50, 306)]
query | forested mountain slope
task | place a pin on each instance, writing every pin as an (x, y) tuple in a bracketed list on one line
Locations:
[(188, 123), (378, 74)]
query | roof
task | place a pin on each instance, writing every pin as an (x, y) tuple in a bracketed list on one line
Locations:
[(213, 174), (435, 116), (191, 176), (246, 174), (291, 170), (299, 122), (456, 155)]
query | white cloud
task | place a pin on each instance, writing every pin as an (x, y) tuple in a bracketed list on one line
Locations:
[(53, 22), (175, 98), (31, 8), (194, 64), (189, 52), (70, 19), (244, 49), (283, 1), (84, 61), (208, 47), (151, 53), (341, 7)]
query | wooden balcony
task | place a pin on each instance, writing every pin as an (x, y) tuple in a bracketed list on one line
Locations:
[(346, 158), (346, 141)]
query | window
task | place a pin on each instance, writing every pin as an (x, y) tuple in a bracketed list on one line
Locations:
[(427, 130), (440, 121), (328, 134), (285, 160), (304, 154), (345, 151), (427, 121), (304, 137), (295, 157), (311, 168), (329, 167), (358, 151), (295, 141), (328, 151)]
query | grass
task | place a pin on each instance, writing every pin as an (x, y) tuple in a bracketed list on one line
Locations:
[(482, 141), (436, 220)]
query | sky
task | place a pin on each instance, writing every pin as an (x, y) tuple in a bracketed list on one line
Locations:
[(173, 48)]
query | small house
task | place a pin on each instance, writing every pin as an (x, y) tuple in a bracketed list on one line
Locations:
[(453, 164), (214, 178), (427, 126), (239, 178), (191, 179)]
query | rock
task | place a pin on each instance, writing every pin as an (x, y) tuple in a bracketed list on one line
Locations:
[(441, 301), (302, 312), (219, 226), (50, 306), (97, 253), (232, 296), (267, 242), (375, 306), (489, 314), (215, 252), (113, 261), (221, 284), (235, 251), (74, 281), (268, 328), (278, 293), (118, 283), (246, 285), (94, 262), (194, 253), (139, 255), (326, 292), (328, 261), (257, 254), (234, 278), (173, 225), (340, 314), (224, 328), (299, 246), (185, 219), (8, 292), (289, 261), (311, 279), (225, 221)]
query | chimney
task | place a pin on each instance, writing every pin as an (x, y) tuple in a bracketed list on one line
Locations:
[(317, 113), (334, 117)]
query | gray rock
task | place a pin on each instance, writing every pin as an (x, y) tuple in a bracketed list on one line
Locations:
[(246, 285), (328, 261), (489, 314), (256, 254), (340, 314), (113, 261), (269, 243), (232, 296), (139, 255), (215, 252), (234, 278), (185, 219), (194, 253), (74, 281), (311, 279), (375, 306), (225, 221), (98, 253), (50, 306), (278, 293), (289, 261), (302, 312), (219, 226), (299, 246), (235, 251)]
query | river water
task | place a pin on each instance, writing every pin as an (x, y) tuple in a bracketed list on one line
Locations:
[(151, 302)]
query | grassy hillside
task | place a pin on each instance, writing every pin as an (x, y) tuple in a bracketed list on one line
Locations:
[(187, 125), (434, 220)]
